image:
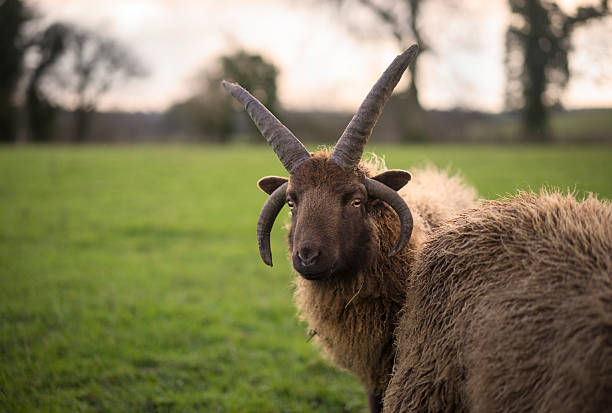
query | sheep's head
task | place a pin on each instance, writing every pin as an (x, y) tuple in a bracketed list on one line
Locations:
[(329, 195)]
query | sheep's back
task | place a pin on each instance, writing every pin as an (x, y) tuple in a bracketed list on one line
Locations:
[(510, 310), (436, 195)]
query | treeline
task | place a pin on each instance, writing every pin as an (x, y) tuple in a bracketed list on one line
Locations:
[(53, 75), (48, 69), (454, 126)]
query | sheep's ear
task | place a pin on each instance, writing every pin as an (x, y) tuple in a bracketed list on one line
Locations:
[(394, 179), (269, 183)]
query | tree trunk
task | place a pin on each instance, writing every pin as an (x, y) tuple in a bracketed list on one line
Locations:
[(535, 114), (413, 119), (82, 124), (8, 125)]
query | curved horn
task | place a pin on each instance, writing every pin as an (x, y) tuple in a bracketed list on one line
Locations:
[(384, 193), (268, 214), (287, 147), (350, 146)]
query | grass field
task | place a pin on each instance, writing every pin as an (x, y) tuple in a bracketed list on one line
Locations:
[(130, 279)]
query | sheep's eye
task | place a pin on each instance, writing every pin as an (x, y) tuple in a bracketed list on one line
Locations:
[(290, 203), (356, 203)]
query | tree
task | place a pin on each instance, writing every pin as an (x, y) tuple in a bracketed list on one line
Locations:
[(41, 112), (90, 66), (537, 48), (403, 19), (209, 112), (13, 15), (252, 72)]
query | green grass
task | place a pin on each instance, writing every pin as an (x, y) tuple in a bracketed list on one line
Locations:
[(130, 279)]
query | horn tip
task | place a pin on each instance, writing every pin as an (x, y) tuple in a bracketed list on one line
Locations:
[(400, 245), (411, 52), (266, 257), (228, 85)]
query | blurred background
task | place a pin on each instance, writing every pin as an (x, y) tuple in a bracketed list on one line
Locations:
[(130, 279), (127, 71)]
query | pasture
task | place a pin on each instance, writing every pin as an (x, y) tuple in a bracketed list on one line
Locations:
[(130, 279)]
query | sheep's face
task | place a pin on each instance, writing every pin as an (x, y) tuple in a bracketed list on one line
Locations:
[(330, 229), (329, 232)]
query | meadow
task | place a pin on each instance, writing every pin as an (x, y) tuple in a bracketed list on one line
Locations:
[(130, 279)]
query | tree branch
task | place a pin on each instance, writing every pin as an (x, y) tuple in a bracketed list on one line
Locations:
[(584, 14)]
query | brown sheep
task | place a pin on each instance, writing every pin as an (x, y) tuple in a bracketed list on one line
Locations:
[(353, 276), (353, 311), (353, 317), (509, 309)]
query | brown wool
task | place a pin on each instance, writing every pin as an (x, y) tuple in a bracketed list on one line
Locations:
[(509, 309)]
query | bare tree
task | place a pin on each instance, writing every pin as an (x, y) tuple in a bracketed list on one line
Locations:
[(48, 45), (92, 64), (537, 46), (403, 19)]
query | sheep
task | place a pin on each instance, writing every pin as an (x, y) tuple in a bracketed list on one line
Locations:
[(345, 215), (509, 309)]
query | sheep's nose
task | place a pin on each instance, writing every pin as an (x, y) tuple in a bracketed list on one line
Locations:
[(308, 255)]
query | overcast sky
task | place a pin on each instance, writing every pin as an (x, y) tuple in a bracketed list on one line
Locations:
[(323, 64)]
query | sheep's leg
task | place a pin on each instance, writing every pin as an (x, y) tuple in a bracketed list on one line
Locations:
[(375, 402)]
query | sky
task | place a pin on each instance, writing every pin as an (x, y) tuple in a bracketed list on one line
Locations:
[(325, 64)]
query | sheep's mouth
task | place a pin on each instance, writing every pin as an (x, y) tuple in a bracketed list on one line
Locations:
[(318, 271), (315, 277)]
